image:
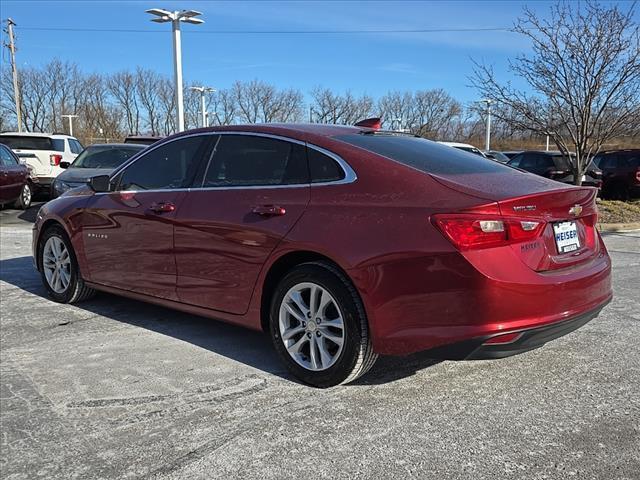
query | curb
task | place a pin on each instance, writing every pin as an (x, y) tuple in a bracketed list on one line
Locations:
[(619, 227)]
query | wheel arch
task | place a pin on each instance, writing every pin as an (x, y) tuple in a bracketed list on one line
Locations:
[(280, 267), (46, 225)]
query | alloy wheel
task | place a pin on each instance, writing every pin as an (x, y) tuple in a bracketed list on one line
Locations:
[(26, 195), (311, 326), (56, 263)]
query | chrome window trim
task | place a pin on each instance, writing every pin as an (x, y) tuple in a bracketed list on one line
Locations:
[(349, 174)]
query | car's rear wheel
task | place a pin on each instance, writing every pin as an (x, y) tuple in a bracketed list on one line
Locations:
[(24, 200), (59, 268), (319, 327)]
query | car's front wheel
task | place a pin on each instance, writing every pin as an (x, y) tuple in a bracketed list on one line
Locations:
[(59, 268), (319, 327)]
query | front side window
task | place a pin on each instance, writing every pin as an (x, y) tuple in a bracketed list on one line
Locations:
[(515, 161), (170, 166), (244, 160)]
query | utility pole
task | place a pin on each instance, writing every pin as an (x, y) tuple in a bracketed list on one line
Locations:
[(488, 137), (14, 71), (203, 106), (70, 117), (175, 17)]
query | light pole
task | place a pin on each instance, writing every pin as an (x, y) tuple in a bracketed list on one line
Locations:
[(175, 17), (70, 117), (203, 106), (488, 134)]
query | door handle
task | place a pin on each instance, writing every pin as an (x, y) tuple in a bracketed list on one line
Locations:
[(162, 207), (268, 210)]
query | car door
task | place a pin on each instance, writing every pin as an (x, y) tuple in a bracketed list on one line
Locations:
[(128, 233), (12, 175), (254, 190)]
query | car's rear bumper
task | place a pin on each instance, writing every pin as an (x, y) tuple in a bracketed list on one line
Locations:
[(527, 339), (423, 303)]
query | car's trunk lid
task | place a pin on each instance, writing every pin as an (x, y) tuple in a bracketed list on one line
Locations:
[(528, 197), (568, 237), (39, 160)]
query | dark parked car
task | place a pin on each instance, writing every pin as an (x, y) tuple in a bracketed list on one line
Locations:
[(555, 165), (620, 173), (342, 242), (99, 159), (142, 139), (15, 185)]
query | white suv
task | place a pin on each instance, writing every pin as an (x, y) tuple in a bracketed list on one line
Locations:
[(43, 152)]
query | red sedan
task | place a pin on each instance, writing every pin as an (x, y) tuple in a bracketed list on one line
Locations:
[(342, 242)]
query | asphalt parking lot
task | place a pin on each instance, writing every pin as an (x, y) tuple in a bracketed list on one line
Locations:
[(113, 388)]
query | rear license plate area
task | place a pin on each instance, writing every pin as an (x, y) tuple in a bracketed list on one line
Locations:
[(566, 235)]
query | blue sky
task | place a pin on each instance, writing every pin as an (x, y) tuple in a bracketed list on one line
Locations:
[(370, 63)]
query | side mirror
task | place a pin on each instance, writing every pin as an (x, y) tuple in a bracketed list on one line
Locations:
[(64, 164), (100, 183)]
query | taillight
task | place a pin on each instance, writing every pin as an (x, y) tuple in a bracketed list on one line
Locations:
[(55, 159), (638, 174), (471, 232)]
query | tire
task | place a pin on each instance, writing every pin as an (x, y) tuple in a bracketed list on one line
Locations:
[(342, 354), (73, 289), (24, 200)]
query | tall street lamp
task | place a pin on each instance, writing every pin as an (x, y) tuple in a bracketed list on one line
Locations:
[(70, 117), (175, 17), (203, 107), (488, 134)]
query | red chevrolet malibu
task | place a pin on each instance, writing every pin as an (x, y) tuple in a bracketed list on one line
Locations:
[(342, 242)]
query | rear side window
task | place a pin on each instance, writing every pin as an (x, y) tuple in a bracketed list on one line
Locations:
[(167, 167), (561, 162), (323, 168), (545, 161), (19, 142), (58, 144), (424, 155), (243, 160)]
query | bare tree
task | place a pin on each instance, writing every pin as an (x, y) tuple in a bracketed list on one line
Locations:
[(124, 89), (260, 102), (224, 105), (436, 114), (148, 87), (583, 74), (329, 107)]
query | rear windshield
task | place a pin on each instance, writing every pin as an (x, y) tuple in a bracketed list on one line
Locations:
[(430, 157), (105, 156), (18, 142)]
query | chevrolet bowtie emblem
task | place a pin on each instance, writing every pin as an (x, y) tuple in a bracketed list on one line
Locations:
[(575, 210)]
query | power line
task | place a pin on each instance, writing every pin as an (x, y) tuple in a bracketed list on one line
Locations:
[(275, 32)]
